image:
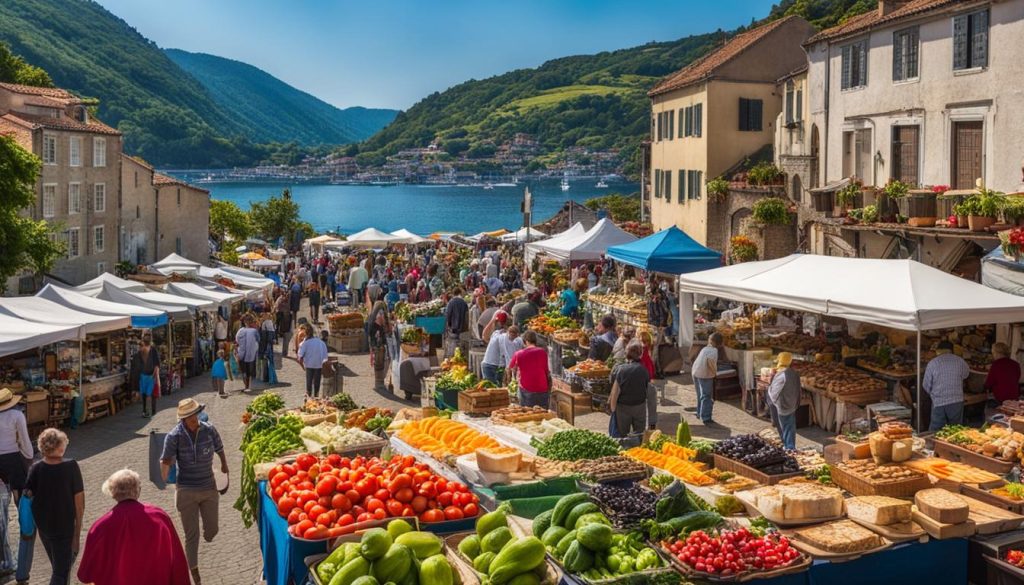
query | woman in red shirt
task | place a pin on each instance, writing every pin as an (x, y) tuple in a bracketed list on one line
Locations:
[(1003, 375), (530, 365)]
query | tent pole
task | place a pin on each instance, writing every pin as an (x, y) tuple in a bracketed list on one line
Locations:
[(919, 380)]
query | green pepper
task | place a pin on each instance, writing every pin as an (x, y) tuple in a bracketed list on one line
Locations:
[(626, 565), (613, 561), (647, 559)]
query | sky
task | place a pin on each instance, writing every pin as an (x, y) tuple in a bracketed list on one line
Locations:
[(392, 53)]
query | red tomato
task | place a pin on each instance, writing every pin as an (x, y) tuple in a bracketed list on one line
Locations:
[(334, 459), (303, 526), (289, 469), (373, 504), (309, 505), (326, 519), (407, 511), (404, 495), (380, 514), (358, 462), (316, 511), (375, 469), (305, 485), (364, 517), (354, 496), (382, 494), (326, 485), (305, 461), (441, 484), (419, 504), (445, 499), (278, 479), (432, 516), (421, 476), (402, 480), (464, 498), (346, 519), (343, 486), (277, 493), (453, 513), (427, 489), (324, 501), (326, 467), (457, 487), (315, 533), (366, 487), (470, 510), (294, 516), (314, 470), (339, 501), (394, 507)]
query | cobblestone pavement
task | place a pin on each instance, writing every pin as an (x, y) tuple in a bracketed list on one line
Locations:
[(108, 444)]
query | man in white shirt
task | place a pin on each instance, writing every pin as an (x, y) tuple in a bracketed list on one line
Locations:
[(312, 355), (705, 369), (493, 358), (511, 342)]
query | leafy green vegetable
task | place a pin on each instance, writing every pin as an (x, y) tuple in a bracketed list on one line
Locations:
[(760, 526), (266, 403), (674, 505), (343, 402), (1015, 489), (578, 444), (273, 437), (702, 446)]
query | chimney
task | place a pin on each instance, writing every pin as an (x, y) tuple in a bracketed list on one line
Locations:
[(886, 7)]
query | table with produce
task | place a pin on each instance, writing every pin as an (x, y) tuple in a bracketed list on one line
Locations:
[(521, 497)]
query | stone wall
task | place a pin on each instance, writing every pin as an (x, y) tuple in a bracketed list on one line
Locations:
[(732, 216)]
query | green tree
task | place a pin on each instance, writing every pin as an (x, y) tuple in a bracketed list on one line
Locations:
[(26, 243), (227, 219), (277, 217), (14, 69), (621, 207)]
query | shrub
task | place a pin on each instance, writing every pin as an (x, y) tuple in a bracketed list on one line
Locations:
[(764, 173), (870, 214), (771, 211), (896, 189), (742, 249), (717, 189)]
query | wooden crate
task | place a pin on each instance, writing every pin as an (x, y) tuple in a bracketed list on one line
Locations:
[(483, 402), (37, 406), (957, 453), (984, 495), (353, 341), (861, 487), (726, 464)]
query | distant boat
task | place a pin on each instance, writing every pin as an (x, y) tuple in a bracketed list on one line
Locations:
[(565, 184), (488, 186), (505, 185), (601, 184)]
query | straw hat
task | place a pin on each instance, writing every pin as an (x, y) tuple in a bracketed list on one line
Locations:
[(186, 407), (8, 399), (784, 360)]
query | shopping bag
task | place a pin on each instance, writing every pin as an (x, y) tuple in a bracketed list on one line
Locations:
[(26, 521), (613, 427)]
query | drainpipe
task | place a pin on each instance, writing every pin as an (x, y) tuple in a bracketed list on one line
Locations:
[(828, 99)]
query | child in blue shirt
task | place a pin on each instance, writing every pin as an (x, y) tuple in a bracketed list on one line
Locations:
[(219, 374)]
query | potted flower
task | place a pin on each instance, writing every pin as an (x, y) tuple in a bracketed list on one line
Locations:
[(960, 212), (1012, 243), (1013, 210), (847, 197), (742, 249), (890, 200), (985, 209)]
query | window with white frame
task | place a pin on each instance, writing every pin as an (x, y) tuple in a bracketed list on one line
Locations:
[(905, 50), (794, 102), (98, 234), (99, 197), (73, 243), (75, 198), (101, 267), (49, 200), (49, 149), (855, 65), (99, 152), (75, 151), (970, 40)]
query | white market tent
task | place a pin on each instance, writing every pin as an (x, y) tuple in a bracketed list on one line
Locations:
[(572, 233), (589, 246), (239, 270), (523, 236), (18, 335), (194, 291), (40, 310), (373, 238), (95, 286), (902, 294), (257, 284), (174, 263), (141, 317), (408, 237), (177, 310), (266, 263)]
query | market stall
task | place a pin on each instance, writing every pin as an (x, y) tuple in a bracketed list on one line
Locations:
[(141, 317), (669, 251), (408, 237), (372, 238), (176, 264), (588, 246), (916, 297), (524, 235)]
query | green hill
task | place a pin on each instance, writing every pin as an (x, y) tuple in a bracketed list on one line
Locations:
[(275, 110)]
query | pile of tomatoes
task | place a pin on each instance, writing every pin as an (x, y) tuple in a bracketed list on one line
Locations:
[(1016, 558), (733, 552), (327, 497)]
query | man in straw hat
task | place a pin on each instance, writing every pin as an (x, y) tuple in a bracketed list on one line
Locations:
[(191, 444), (784, 399)]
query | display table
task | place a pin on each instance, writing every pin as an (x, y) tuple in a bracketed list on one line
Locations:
[(103, 386), (283, 556), (744, 360)]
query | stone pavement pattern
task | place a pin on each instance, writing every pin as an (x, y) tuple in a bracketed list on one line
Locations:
[(105, 445)]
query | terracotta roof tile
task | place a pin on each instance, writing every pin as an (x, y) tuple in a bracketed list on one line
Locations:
[(49, 92), (872, 19), (161, 180), (21, 134), (706, 66), (66, 123)]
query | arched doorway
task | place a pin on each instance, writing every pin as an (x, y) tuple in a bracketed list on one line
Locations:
[(815, 149), (736, 222), (796, 189)]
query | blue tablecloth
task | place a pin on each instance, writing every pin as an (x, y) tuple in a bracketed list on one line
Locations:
[(283, 556)]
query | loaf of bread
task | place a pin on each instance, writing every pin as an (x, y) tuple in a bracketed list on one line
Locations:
[(800, 501), (880, 510), (942, 506)]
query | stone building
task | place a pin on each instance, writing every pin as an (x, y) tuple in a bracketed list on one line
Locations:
[(713, 114), (183, 219)]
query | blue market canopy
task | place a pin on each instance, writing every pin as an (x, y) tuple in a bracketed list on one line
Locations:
[(670, 251)]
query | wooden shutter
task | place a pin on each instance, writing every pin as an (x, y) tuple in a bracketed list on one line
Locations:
[(790, 97), (960, 37), (744, 114), (681, 116), (967, 153), (668, 186), (798, 115), (979, 39), (847, 66), (862, 64), (657, 183), (680, 175), (671, 124), (755, 115), (698, 120), (905, 153)]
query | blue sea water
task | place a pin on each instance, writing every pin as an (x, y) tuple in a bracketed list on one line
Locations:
[(422, 209)]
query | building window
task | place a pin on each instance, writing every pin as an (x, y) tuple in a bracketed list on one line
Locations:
[(682, 186), (179, 196), (49, 149), (101, 268), (682, 122), (97, 238), (49, 200), (73, 243), (177, 245), (905, 154), (138, 212), (693, 180), (661, 117), (750, 115), (668, 186), (794, 102), (855, 65), (698, 120), (905, 49), (671, 132), (968, 154), (136, 179), (657, 183), (99, 198), (74, 198), (858, 161), (687, 126), (75, 151), (99, 152), (970, 40)]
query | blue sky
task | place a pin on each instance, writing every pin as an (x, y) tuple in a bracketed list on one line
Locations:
[(392, 53)]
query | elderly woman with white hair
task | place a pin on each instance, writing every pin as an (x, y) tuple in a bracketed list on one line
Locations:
[(132, 539), (58, 501)]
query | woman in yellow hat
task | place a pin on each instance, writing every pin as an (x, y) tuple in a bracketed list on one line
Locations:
[(784, 399)]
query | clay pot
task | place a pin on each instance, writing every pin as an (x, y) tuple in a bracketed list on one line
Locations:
[(979, 223)]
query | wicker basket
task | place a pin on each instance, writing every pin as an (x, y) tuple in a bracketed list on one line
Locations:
[(862, 487), (726, 464)]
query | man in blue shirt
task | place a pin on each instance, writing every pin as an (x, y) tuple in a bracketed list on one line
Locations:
[(191, 445), (944, 382)]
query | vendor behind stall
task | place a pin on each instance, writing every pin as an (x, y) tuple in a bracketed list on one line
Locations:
[(1003, 378), (944, 382), (784, 399), (601, 344)]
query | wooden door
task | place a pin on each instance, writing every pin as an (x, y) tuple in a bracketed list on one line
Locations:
[(967, 152), (905, 149)]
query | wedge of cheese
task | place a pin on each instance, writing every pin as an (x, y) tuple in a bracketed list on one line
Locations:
[(880, 510), (803, 501), (942, 506)]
